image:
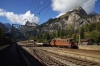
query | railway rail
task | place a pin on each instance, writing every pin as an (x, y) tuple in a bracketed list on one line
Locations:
[(48, 60), (25, 59), (45, 58), (53, 59)]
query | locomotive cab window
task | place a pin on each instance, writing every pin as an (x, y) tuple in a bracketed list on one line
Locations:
[(71, 40)]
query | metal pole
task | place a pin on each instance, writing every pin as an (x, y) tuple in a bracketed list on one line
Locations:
[(79, 33)]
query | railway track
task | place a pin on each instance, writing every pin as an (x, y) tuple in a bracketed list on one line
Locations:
[(52, 59), (26, 59), (48, 60)]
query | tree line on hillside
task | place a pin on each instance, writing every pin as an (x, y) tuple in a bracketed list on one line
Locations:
[(91, 30)]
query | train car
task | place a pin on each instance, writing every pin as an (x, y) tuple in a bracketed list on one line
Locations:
[(64, 43)]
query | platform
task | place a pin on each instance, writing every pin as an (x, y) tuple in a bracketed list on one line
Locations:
[(8, 56)]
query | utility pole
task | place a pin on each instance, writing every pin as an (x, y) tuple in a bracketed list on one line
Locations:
[(79, 34), (79, 30)]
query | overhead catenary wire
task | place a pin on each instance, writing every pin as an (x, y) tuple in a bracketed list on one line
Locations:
[(34, 3), (88, 5), (36, 6), (44, 14), (43, 8), (31, 4), (40, 6)]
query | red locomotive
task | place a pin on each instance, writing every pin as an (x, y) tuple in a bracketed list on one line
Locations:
[(64, 43)]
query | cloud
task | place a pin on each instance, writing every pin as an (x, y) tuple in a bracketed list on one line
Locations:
[(63, 6), (19, 18)]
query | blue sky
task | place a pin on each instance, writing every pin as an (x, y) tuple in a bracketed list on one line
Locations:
[(15, 11)]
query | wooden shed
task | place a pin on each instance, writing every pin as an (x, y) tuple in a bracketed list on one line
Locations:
[(86, 41)]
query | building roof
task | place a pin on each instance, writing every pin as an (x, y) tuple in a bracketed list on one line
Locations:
[(85, 40)]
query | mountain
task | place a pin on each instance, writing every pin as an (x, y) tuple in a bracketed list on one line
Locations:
[(79, 15), (30, 24), (4, 27), (74, 18), (7, 25), (15, 33), (28, 29), (64, 26)]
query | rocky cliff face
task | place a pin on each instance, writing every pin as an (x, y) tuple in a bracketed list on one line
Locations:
[(79, 17), (30, 24), (74, 18), (76, 14)]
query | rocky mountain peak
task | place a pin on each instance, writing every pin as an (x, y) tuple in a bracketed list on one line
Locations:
[(80, 10), (75, 15), (30, 24)]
